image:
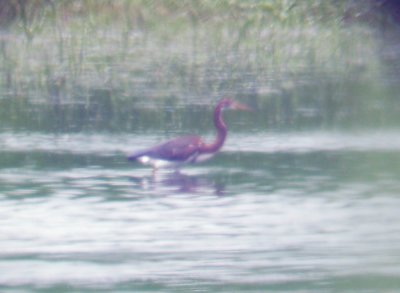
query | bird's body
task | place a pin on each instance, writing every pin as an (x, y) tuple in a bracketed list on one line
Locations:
[(175, 152), (188, 149)]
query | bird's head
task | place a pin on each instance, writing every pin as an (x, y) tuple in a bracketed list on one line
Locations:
[(227, 103)]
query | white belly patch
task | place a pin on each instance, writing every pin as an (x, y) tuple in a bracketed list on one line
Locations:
[(159, 163), (156, 163)]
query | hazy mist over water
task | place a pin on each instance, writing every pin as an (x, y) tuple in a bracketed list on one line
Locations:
[(303, 197)]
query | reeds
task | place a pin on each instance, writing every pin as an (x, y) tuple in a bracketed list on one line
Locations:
[(62, 54)]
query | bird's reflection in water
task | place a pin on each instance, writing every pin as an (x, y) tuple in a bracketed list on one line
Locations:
[(177, 182)]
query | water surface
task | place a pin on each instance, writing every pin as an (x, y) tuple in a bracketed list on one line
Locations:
[(298, 212), (304, 196)]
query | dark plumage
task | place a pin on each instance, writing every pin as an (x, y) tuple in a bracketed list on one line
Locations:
[(188, 149)]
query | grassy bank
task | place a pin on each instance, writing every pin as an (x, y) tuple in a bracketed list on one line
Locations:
[(110, 52), (175, 43)]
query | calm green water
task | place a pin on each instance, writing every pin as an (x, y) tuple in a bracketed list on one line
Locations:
[(293, 212)]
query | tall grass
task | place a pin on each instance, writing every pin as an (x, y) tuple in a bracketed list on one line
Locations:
[(78, 52)]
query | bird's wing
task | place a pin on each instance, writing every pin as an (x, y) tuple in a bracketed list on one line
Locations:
[(178, 149)]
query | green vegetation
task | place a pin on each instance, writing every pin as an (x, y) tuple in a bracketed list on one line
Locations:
[(96, 57)]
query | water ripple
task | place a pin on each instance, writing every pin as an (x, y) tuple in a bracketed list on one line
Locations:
[(295, 214)]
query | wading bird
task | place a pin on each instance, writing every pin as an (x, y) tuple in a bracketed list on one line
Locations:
[(188, 149)]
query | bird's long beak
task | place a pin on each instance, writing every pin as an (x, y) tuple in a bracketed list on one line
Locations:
[(240, 106)]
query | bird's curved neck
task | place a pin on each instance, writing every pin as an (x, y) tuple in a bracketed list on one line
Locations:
[(222, 131)]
